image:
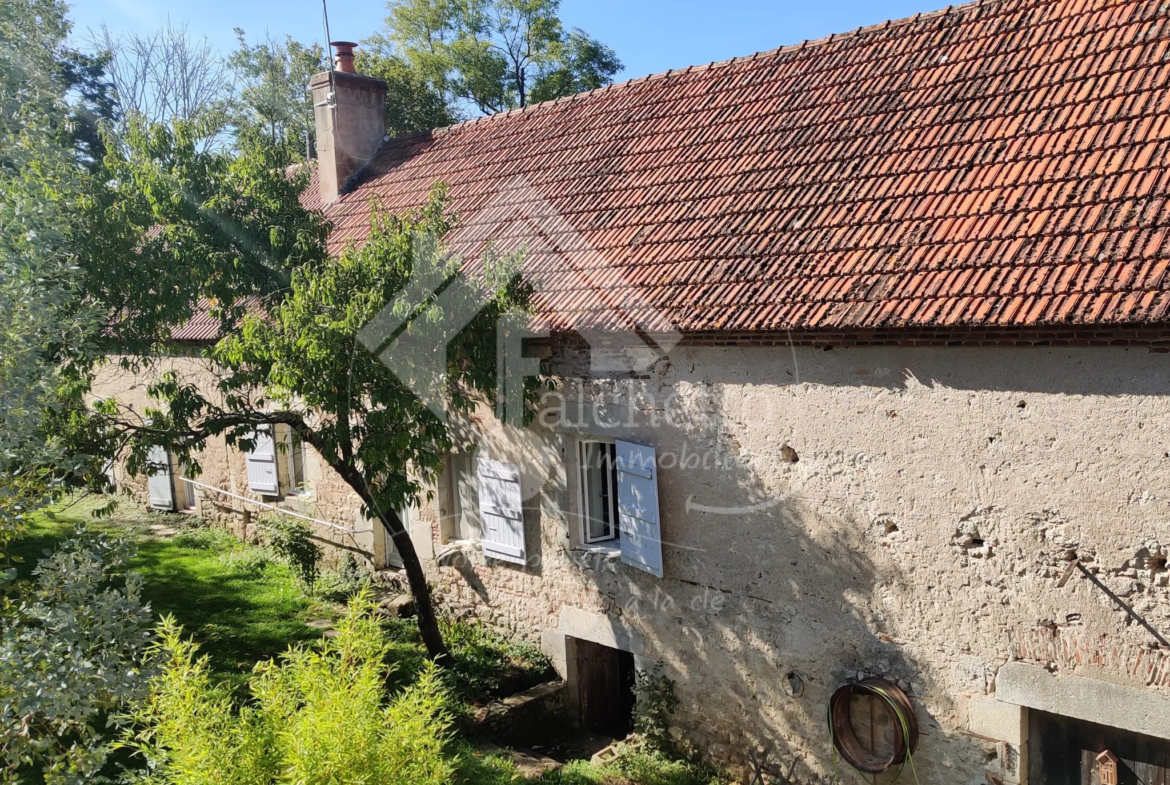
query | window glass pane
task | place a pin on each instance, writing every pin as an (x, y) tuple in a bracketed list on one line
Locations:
[(189, 499), (596, 469), (465, 497), (296, 463)]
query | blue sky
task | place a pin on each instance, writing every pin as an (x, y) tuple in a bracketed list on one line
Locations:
[(649, 35)]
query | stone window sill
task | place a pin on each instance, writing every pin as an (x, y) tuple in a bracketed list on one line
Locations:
[(453, 547), (611, 549)]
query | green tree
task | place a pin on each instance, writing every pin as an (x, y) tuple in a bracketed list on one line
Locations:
[(497, 54), (219, 229), (412, 104), (273, 84), (273, 79), (42, 191), (95, 110), (302, 364), (227, 230)]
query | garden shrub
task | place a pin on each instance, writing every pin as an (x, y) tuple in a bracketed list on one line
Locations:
[(489, 665), (341, 585), (634, 765), (240, 556), (292, 541), (247, 560), (318, 715), (654, 703), (70, 656), (642, 766), (486, 664), (210, 538)]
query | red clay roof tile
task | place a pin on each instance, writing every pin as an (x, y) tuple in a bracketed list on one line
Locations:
[(1000, 163)]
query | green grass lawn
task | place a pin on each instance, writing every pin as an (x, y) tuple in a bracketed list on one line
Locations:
[(239, 605)]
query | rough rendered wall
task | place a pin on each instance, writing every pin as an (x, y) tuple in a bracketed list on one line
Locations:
[(903, 512), (225, 468)]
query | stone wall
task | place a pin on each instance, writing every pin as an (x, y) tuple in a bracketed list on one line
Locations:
[(906, 512), (891, 511), (227, 501)]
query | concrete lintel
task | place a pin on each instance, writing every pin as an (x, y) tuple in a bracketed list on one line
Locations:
[(1102, 702), (599, 628), (995, 719)]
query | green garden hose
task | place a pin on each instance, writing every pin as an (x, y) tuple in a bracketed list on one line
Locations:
[(897, 706)]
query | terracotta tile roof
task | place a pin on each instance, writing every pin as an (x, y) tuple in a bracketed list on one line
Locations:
[(202, 327), (998, 164)]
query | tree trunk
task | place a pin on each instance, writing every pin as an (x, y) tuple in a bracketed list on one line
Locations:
[(428, 623)]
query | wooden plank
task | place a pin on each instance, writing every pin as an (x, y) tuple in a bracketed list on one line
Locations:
[(599, 686), (1065, 750)]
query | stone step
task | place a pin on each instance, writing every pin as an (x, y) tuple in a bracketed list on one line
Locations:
[(396, 606), (530, 765)]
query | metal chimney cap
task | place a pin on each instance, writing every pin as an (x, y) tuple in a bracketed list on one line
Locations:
[(344, 56)]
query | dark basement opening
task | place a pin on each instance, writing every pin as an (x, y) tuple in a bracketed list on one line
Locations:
[(605, 689)]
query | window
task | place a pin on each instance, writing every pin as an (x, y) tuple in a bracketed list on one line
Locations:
[(296, 463), (619, 501), (599, 509), (464, 487), (393, 559), (185, 492), (501, 511)]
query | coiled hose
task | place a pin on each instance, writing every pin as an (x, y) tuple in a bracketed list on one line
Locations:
[(899, 709)]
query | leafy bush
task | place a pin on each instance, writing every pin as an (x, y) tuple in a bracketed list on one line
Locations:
[(634, 765), (653, 767), (655, 702), (241, 557), (70, 657), (487, 665), (211, 538), (292, 540), (320, 715), (247, 560), (343, 584)]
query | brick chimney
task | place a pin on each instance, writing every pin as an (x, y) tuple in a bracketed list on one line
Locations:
[(350, 115)]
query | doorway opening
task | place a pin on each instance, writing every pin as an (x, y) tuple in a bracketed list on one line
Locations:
[(605, 689), (1067, 751)]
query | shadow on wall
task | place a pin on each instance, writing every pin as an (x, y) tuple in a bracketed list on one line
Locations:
[(755, 590), (773, 563), (1107, 371)]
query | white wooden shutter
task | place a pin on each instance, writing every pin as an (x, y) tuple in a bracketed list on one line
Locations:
[(159, 483), (501, 511), (641, 530), (262, 474)]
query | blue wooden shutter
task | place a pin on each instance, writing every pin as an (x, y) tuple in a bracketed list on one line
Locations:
[(501, 511), (641, 530), (159, 482), (262, 475)]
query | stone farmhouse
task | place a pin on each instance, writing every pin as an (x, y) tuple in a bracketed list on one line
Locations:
[(859, 351)]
